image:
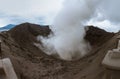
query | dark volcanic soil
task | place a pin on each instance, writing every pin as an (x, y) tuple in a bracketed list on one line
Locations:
[(31, 63), (97, 36)]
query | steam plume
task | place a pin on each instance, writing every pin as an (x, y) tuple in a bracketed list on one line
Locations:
[(68, 28)]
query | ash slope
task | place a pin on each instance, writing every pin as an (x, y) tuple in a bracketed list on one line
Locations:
[(32, 63)]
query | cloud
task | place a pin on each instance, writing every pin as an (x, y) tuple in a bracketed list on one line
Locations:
[(110, 10), (107, 16), (29, 7), (44, 11), (105, 24), (3, 22), (34, 11)]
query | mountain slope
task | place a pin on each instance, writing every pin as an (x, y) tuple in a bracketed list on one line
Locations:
[(7, 27), (32, 63)]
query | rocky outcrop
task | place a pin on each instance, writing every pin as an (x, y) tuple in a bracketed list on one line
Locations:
[(26, 33), (97, 36)]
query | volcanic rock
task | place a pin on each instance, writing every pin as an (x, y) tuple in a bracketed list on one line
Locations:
[(32, 63)]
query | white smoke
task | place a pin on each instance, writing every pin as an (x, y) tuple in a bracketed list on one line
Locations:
[(68, 28)]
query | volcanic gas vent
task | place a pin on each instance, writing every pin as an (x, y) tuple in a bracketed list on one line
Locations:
[(68, 28)]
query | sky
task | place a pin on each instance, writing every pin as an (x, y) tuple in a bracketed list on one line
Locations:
[(44, 12), (34, 11), (108, 15)]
